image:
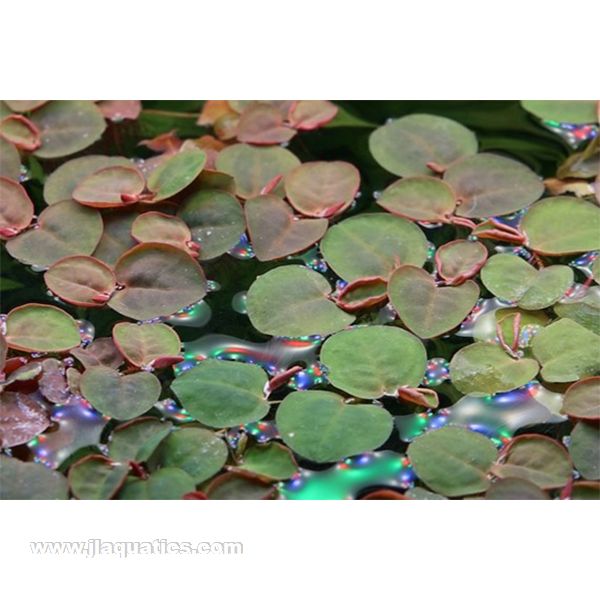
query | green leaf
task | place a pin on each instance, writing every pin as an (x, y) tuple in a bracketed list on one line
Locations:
[(453, 461), (222, 393), (215, 219), (582, 399), (254, 167), (105, 188), (10, 160), (487, 185), (275, 232), (143, 344), (586, 490), (370, 362), (513, 488), (293, 301), (567, 351), (165, 484), (63, 229), (321, 427), (536, 458), (562, 225), (119, 396), (419, 199), (272, 461), (585, 311), (564, 111), (483, 368), (459, 260), (239, 486), (176, 173), (198, 452), (408, 145), (41, 328), (428, 310), (373, 245), (138, 439), (512, 278), (585, 450), (116, 238), (96, 478), (81, 280), (30, 481), (154, 226), (322, 189), (67, 126), (158, 280)]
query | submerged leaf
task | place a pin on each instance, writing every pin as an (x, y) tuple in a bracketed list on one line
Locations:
[(96, 477), (22, 417)]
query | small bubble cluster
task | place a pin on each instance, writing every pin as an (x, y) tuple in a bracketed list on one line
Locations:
[(313, 375), (438, 371), (585, 262), (243, 249), (312, 259), (262, 431)]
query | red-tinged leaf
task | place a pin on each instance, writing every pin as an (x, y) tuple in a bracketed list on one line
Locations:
[(225, 127), (214, 110), (22, 106), (158, 227), (311, 114), (240, 486), (282, 378), (263, 125), (147, 344), (420, 396), (167, 143), (275, 232), (460, 260), (101, 352), (22, 417), (81, 280), (21, 132), (118, 110), (110, 187), (322, 189), (16, 209), (363, 293), (3, 354), (582, 400), (385, 495)]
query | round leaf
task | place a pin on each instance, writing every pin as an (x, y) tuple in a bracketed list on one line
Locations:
[(263, 124), (513, 488), (165, 484), (389, 358), (30, 481), (321, 427), (487, 185), (322, 189), (482, 368), (275, 232), (239, 486), (63, 229), (565, 111), (158, 280), (138, 439), (373, 245), (96, 478), (143, 344), (459, 260), (428, 310), (176, 173), (158, 227), (16, 209), (81, 280), (271, 461), (105, 188), (67, 126), (22, 417), (223, 394), (582, 399), (306, 115), (119, 396), (453, 461), (408, 145), (293, 301), (41, 328), (585, 450)]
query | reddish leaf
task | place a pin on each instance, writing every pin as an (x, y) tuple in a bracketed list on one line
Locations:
[(213, 110), (263, 125), (22, 417), (460, 260), (101, 352), (158, 227), (20, 131), (16, 209), (385, 495), (110, 187), (363, 293), (118, 110), (168, 143), (311, 114)]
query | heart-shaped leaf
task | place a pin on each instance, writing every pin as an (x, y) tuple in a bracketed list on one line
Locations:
[(67, 126), (562, 225), (215, 219), (585, 450), (158, 280), (62, 182), (137, 440), (198, 452), (176, 173), (583, 310), (142, 345), (253, 168), (419, 199), (384, 242), (262, 124), (320, 426), (30, 481), (536, 458), (306, 115), (482, 368), (110, 187), (16, 209), (453, 461), (513, 488), (275, 232), (96, 477), (81, 280), (428, 310), (21, 132), (155, 226), (511, 278), (390, 358), (10, 160), (63, 229), (41, 328), (22, 417), (322, 189), (119, 396), (460, 260), (293, 301), (407, 146), (565, 111), (272, 461), (582, 399), (567, 351), (164, 484), (116, 238), (223, 394)]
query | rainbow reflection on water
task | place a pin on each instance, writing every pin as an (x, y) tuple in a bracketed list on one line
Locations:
[(574, 134)]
